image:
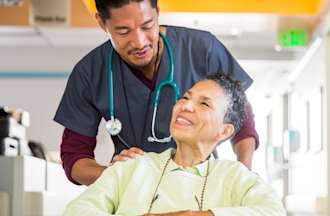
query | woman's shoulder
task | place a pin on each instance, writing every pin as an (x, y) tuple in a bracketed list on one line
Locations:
[(157, 159), (148, 159), (230, 167)]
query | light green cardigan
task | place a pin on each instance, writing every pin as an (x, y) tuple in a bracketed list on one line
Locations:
[(126, 188)]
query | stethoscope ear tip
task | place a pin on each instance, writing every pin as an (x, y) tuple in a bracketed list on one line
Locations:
[(167, 139), (164, 140), (151, 139)]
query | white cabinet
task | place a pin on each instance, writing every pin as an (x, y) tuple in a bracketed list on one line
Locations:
[(34, 187)]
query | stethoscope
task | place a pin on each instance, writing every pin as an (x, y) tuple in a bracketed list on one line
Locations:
[(114, 125)]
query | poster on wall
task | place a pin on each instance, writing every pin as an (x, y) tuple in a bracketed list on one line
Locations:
[(53, 13)]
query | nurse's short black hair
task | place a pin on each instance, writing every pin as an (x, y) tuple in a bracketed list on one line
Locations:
[(103, 6), (236, 99)]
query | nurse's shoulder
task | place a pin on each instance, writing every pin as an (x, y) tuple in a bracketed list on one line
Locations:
[(95, 61), (193, 38)]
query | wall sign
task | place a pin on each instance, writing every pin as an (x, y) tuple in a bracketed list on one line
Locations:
[(50, 13)]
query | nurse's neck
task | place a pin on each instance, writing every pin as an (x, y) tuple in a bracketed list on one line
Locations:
[(151, 69)]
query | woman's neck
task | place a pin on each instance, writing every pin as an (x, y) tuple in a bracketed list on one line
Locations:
[(188, 154)]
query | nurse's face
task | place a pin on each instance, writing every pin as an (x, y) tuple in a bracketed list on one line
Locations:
[(134, 32), (197, 116)]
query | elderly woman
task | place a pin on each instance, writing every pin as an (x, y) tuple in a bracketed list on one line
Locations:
[(186, 180)]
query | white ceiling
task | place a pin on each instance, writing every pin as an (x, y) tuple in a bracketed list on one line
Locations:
[(252, 38)]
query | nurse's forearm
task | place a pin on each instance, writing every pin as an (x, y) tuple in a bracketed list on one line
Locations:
[(244, 151), (86, 171)]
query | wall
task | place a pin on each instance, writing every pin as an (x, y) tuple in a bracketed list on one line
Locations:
[(42, 75), (304, 171), (312, 160)]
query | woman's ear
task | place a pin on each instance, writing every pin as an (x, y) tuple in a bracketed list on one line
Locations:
[(100, 21), (226, 131)]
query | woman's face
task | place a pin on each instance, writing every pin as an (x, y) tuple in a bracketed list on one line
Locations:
[(197, 116)]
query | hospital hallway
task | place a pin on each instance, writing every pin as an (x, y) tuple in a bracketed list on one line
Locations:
[(283, 45)]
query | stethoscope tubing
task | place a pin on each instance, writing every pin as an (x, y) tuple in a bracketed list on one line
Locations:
[(111, 101), (168, 82)]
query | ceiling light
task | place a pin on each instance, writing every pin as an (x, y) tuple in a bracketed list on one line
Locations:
[(278, 48), (235, 32)]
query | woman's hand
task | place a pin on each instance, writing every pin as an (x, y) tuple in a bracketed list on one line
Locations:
[(184, 213)]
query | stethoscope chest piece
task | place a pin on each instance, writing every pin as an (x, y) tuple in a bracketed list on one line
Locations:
[(113, 126)]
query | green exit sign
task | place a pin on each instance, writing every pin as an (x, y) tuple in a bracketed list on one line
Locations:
[(293, 38)]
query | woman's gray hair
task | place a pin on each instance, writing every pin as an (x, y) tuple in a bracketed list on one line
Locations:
[(234, 111)]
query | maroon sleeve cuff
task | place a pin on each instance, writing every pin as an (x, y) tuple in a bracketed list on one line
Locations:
[(248, 128), (75, 146)]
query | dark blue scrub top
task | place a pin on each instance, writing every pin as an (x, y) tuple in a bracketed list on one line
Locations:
[(86, 97)]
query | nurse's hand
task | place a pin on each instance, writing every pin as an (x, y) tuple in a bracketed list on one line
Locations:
[(127, 154)]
